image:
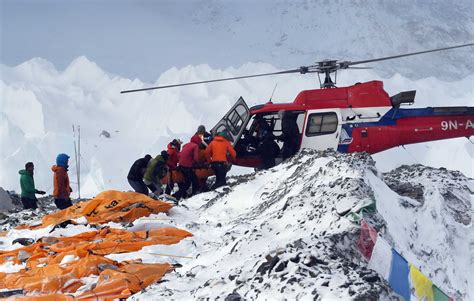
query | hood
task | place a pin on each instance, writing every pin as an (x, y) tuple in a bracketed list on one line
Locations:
[(55, 168), (24, 172), (196, 139), (62, 160)]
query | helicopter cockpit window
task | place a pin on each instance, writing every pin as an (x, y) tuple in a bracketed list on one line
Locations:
[(321, 124), (236, 119)]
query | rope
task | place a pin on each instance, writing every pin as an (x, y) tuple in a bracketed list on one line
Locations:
[(413, 157), (169, 255)]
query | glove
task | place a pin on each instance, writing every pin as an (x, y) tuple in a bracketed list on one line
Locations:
[(40, 192), (70, 189)]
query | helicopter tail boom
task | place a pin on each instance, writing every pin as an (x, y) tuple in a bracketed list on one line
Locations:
[(408, 126)]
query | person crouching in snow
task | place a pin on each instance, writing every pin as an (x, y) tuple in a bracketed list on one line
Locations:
[(28, 190), (156, 170), (135, 175), (216, 153), (62, 189)]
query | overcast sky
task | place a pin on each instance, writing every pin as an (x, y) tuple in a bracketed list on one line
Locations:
[(142, 39)]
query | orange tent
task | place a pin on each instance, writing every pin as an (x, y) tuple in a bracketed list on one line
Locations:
[(108, 206)]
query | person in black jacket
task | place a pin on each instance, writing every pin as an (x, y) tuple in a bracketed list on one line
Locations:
[(135, 175), (290, 134), (268, 149)]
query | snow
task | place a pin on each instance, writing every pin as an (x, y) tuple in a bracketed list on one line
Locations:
[(280, 232), (84, 94)]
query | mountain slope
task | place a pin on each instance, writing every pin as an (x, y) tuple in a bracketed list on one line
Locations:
[(280, 233)]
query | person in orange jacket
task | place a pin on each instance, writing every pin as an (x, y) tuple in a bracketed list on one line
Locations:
[(218, 153), (62, 190)]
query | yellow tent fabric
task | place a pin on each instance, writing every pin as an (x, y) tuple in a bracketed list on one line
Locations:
[(108, 206), (422, 284), (46, 274), (47, 278), (101, 242)]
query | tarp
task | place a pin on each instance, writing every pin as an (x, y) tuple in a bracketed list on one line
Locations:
[(108, 206), (46, 273), (55, 265), (125, 281), (112, 284), (101, 242)]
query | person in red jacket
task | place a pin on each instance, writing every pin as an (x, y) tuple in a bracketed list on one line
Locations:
[(218, 153), (62, 190), (174, 147), (187, 158)]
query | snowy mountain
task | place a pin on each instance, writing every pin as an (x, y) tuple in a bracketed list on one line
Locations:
[(292, 232), (287, 34), (294, 33), (282, 232), (39, 105)]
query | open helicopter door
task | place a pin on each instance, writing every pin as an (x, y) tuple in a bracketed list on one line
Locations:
[(234, 122), (322, 129)]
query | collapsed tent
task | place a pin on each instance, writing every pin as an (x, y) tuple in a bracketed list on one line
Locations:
[(58, 265), (108, 206), (102, 242), (115, 280)]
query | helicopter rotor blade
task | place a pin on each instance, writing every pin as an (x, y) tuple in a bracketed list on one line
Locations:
[(359, 68), (344, 65), (299, 70)]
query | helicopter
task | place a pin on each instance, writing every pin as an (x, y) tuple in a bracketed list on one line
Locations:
[(357, 118)]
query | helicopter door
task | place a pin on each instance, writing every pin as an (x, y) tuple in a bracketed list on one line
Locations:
[(322, 129), (234, 121)]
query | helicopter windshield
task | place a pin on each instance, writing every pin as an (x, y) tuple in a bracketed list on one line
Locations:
[(234, 122)]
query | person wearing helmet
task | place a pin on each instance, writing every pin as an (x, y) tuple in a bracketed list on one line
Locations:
[(174, 148), (218, 153), (156, 170), (290, 134), (62, 189), (28, 190), (135, 175)]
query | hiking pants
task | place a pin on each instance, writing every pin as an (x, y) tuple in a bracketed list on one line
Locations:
[(29, 203), (220, 169), (63, 203), (138, 186), (190, 178)]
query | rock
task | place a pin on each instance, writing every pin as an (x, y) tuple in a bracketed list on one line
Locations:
[(24, 241), (105, 134), (233, 297), (23, 256), (6, 202), (106, 266)]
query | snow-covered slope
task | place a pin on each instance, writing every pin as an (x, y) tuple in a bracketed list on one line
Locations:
[(278, 234), (39, 105), (283, 233)]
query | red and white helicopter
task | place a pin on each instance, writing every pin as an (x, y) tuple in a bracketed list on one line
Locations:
[(357, 118)]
